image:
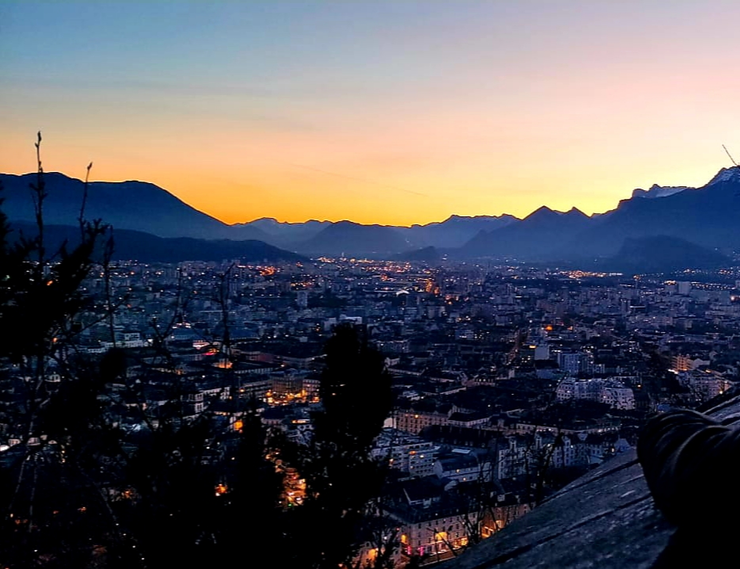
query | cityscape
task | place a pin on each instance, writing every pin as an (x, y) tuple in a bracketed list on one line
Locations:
[(506, 382), (369, 285)]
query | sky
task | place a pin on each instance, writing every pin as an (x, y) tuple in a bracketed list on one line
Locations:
[(392, 112)]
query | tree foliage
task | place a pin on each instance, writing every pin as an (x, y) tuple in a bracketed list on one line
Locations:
[(50, 476), (79, 490), (341, 478)]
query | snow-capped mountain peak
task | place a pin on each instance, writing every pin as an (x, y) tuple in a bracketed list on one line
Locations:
[(726, 175), (657, 191)]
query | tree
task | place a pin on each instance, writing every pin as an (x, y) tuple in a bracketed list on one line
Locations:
[(51, 498), (341, 478), (181, 488), (77, 491), (251, 510)]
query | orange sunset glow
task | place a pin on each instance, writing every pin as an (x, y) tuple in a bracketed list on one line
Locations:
[(383, 112)]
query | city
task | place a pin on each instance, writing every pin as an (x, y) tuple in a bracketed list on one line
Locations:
[(508, 381), (310, 284)]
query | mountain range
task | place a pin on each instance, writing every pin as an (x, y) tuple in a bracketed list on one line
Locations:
[(148, 248), (695, 220)]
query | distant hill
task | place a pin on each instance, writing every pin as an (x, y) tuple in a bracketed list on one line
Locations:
[(454, 231), (355, 240), (147, 248), (663, 254), (139, 206), (285, 233), (426, 254), (535, 238)]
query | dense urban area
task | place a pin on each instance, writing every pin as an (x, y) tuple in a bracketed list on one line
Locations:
[(307, 284), (507, 383)]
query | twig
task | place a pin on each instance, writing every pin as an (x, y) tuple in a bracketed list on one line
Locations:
[(84, 202), (730, 155)]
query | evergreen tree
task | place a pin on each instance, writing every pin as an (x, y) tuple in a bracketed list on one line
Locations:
[(251, 514), (341, 478)]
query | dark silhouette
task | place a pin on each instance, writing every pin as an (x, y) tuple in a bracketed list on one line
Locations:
[(690, 461), (340, 477)]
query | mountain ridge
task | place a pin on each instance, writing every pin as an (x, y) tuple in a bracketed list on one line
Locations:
[(708, 217)]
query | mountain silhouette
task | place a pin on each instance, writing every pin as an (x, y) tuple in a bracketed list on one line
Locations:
[(354, 240), (139, 206), (535, 238), (147, 248), (707, 217)]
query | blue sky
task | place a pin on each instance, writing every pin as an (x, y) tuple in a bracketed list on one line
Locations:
[(334, 109)]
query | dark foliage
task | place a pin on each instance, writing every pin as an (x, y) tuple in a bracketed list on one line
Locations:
[(79, 490), (341, 479), (51, 499)]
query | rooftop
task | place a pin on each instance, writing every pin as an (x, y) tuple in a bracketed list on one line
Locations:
[(605, 519)]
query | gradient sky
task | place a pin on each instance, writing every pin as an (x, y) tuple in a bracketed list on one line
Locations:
[(392, 112)]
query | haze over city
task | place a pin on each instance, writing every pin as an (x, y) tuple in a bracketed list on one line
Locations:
[(383, 112)]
